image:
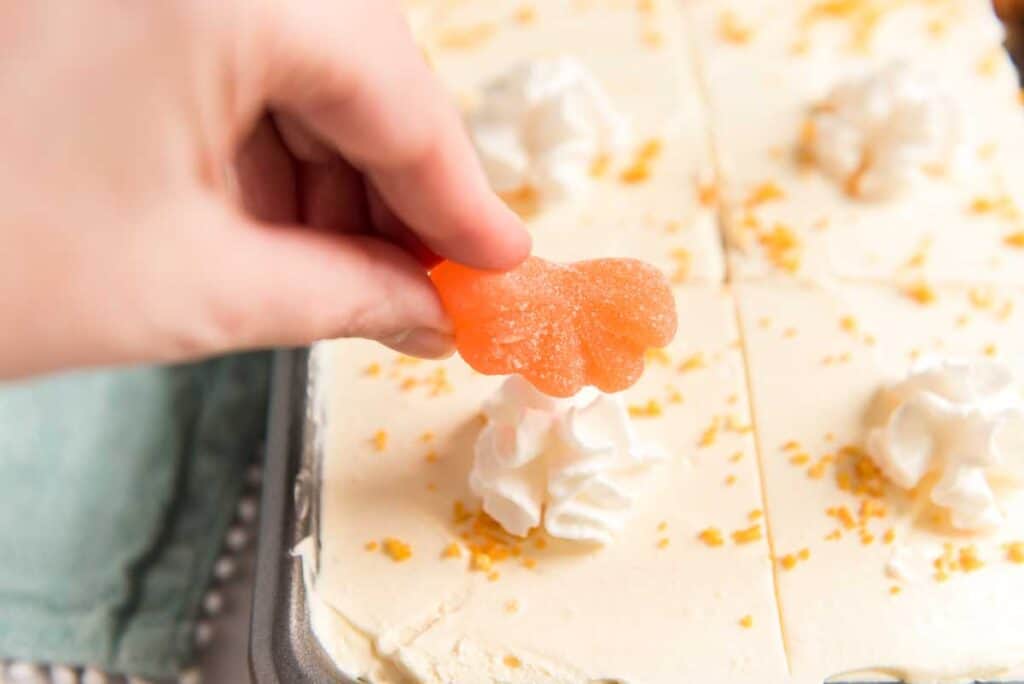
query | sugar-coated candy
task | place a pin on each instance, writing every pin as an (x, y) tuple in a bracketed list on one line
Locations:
[(560, 326)]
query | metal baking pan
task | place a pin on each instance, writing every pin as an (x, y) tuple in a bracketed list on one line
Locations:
[(282, 647)]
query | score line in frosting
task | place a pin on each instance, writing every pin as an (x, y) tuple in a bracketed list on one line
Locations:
[(574, 465), (542, 125), (960, 419)]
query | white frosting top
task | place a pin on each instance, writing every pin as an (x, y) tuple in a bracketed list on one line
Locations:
[(963, 419), (542, 125), (572, 464), (878, 134)]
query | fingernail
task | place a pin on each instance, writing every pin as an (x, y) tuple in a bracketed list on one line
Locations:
[(425, 342)]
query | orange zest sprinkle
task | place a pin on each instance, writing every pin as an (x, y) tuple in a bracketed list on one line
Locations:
[(640, 169), (663, 543), (600, 165), (736, 457), (791, 445), (662, 526), (981, 297), (732, 31), (707, 194), (988, 64), (711, 536), (524, 201), (1001, 205), (843, 515), (782, 247), (895, 589), (710, 433), (921, 292), (817, 470), (747, 621), (1006, 310), (808, 134), (460, 513), (657, 355), (1015, 552), (734, 424), (371, 546), (764, 193), (871, 508), (747, 535), (373, 370), (653, 37), (692, 363), (652, 409), (526, 14), (790, 560), (453, 550), (889, 537), (465, 38), (969, 560), (511, 606), (1015, 239), (683, 263), (481, 561), (730, 480), (512, 662), (380, 440), (397, 549), (848, 323), (755, 515), (800, 459)]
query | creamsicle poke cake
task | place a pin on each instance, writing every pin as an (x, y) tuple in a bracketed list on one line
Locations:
[(818, 476)]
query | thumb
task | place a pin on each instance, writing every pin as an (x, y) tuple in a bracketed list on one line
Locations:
[(288, 285)]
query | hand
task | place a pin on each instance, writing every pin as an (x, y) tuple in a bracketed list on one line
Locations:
[(187, 177)]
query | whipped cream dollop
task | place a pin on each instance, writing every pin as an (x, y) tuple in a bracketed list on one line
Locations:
[(880, 133), (542, 125), (960, 419), (574, 465)]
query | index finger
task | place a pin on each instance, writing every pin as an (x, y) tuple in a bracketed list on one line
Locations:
[(352, 73)]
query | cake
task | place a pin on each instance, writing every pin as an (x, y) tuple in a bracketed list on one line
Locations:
[(789, 494)]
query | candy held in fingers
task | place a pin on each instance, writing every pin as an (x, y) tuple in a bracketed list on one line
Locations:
[(560, 326)]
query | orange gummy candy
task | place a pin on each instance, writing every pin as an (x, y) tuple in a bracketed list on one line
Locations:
[(560, 326)]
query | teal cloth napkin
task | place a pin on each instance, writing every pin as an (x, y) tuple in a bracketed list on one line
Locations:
[(116, 490)]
